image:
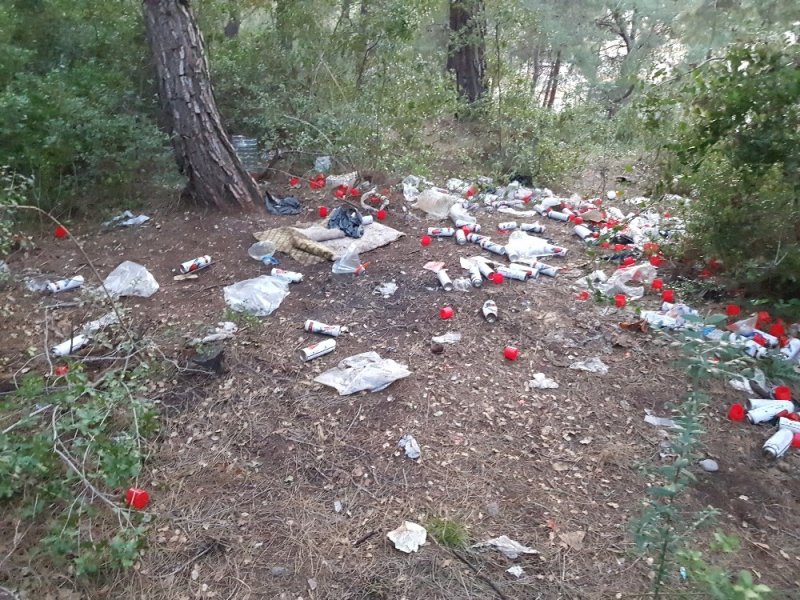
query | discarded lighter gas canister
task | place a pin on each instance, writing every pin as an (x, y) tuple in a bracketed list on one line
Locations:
[(367, 220), (472, 228), (475, 238), (317, 327), (793, 426), (513, 273), (201, 262), (489, 311), (557, 216), (507, 226), (532, 227), (766, 413), (65, 284), (461, 237), (753, 350), (69, 346), (484, 269), (316, 350), (547, 270), (777, 445), (441, 231), (292, 276), (489, 245), (753, 403), (460, 223), (582, 231), (445, 280), (475, 276)]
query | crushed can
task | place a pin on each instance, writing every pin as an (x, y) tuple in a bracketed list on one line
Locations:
[(475, 276), (489, 311), (316, 350), (472, 228), (65, 284), (317, 327), (485, 269), (489, 245), (201, 262), (531, 227), (441, 231), (291, 276), (461, 237), (582, 232), (557, 216), (777, 445), (508, 273), (445, 280), (507, 226), (475, 238)]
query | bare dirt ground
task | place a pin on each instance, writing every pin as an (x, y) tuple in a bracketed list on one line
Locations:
[(249, 465)]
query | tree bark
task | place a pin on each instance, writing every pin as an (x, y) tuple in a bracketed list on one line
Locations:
[(202, 149), (467, 46), (554, 80)]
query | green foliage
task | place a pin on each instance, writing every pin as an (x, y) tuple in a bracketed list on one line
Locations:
[(14, 189), (68, 448), (448, 533)]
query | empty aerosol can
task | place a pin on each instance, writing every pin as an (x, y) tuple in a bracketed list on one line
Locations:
[(445, 280), (292, 276), (582, 231), (367, 220), (532, 227), (69, 346), (557, 216), (461, 237), (484, 269), (462, 223), (441, 231), (513, 273), (753, 403), (767, 412), (472, 228), (507, 226), (65, 284), (777, 445), (489, 245), (316, 350), (489, 311), (475, 276), (793, 426), (475, 238), (547, 270), (201, 262), (317, 327)]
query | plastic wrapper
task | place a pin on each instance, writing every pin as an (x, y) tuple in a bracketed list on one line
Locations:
[(366, 371), (131, 279), (460, 215), (259, 296), (348, 179), (436, 202), (523, 246), (619, 282), (349, 263)]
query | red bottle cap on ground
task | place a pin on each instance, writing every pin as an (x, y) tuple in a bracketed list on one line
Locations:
[(628, 261), (446, 312), (668, 296), (511, 353), (655, 260), (380, 215), (323, 211), (777, 329), (620, 300), (605, 245), (137, 498), (61, 370), (425, 240), (61, 232), (733, 310), (497, 278), (578, 221), (782, 392), (736, 412), (796, 439), (657, 284), (584, 295), (619, 247)]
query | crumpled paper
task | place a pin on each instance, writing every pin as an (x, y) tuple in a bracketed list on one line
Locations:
[(510, 548), (408, 537)]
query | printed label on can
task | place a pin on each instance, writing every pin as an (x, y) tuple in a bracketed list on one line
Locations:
[(445, 280), (201, 262), (507, 226), (489, 245), (318, 327), (472, 228), (461, 237), (532, 227), (513, 273), (316, 350), (292, 276), (441, 231), (65, 284), (475, 238), (489, 311)]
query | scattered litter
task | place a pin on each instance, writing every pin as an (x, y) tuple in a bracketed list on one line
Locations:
[(288, 276), (201, 262), (709, 465), (618, 282), (210, 360), (516, 571), (285, 206), (131, 279), (348, 220), (640, 325), (489, 311), (742, 385), (126, 219), (436, 202), (316, 350), (77, 342), (322, 164), (64, 285), (349, 263), (661, 422), (510, 548), (222, 331), (523, 246), (296, 244), (410, 445), (366, 371), (259, 296), (460, 215), (452, 337), (386, 290), (185, 276), (317, 327), (462, 284), (345, 179), (263, 252), (337, 506), (593, 365), (572, 539), (312, 584), (541, 382), (408, 537)]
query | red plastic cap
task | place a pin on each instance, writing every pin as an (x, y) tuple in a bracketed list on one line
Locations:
[(61, 232), (61, 370), (782, 392), (137, 498), (511, 353), (628, 261), (497, 278), (733, 310), (736, 412), (620, 300), (425, 240), (668, 296), (658, 284), (446, 312), (323, 211), (796, 439), (584, 295), (380, 215)]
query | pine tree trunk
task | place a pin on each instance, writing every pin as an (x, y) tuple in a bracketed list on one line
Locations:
[(467, 45), (554, 80), (202, 149)]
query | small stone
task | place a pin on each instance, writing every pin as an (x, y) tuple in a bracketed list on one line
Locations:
[(279, 571), (437, 348), (709, 465)]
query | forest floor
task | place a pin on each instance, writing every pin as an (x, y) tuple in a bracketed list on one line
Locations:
[(249, 465)]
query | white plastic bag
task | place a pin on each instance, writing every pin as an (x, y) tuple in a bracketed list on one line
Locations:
[(259, 296), (366, 371), (522, 246), (131, 279), (460, 215), (348, 179), (349, 262), (618, 282), (436, 202)]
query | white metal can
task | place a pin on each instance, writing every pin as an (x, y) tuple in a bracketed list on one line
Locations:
[(582, 231), (547, 270), (489, 311), (489, 245), (441, 231), (507, 226), (764, 413), (69, 346), (65, 284), (752, 403), (318, 327), (201, 262), (519, 275), (316, 350), (292, 276), (777, 445), (475, 276), (557, 216), (475, 238), (461, 237), (484, 269), (532, 227), (462, 223), (445, 280), (367, 220), (472, 228)]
